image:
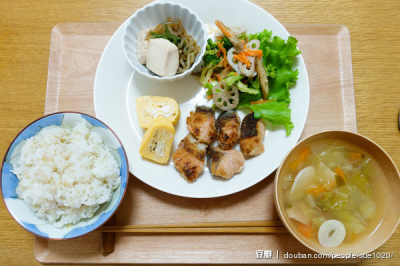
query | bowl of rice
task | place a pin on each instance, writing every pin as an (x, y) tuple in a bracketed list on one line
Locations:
[(64, 175)]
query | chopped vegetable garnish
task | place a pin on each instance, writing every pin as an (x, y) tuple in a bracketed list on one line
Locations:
[(166, 35)]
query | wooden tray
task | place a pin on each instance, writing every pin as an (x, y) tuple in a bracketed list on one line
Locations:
[(75, 51)]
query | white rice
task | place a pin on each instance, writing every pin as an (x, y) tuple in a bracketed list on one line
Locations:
[(66, 174)]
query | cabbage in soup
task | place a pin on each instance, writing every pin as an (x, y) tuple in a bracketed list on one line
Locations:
[(334, 192)]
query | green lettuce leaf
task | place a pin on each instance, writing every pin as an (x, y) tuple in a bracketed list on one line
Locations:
[(279, 86), (265, 35), (275, 112), (278, 59), (255, 83), (245, 99)]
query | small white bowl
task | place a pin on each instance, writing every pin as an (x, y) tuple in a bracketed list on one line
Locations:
[(152, 15)]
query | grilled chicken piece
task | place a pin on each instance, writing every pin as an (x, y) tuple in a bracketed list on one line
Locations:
[(224, 163), (202, 124), (252, 136), (189, 158), (228, 129)]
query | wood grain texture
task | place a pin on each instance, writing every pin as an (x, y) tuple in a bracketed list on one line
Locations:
[(106, 240), (325, 48), (25, 32)]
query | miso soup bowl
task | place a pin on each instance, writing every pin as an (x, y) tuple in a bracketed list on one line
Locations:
[(391, 215)]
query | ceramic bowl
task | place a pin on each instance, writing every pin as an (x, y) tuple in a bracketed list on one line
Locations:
[(152, 15), (24, 215), (391, 214)]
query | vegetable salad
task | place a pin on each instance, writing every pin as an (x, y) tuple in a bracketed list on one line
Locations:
[(251, 71)]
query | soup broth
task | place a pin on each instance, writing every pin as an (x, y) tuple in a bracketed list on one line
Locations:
[(334, 180)]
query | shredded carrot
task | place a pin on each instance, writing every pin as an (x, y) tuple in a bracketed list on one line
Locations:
[(339, 172), (235, 74), (223, 50), (241, 57), (222, 28), (220, 62), (354, 156), (303, 154), (249, 52), (305, 229), (246, 61), (217, 76), (262, 101), (209, 97), (219, 53)]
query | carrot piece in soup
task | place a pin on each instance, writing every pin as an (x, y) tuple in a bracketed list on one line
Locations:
[(305, 229), (355, 156), (303, 154), (339, 172), (316, 190)]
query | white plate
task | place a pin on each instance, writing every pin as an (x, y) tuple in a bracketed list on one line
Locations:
[(117, 86)]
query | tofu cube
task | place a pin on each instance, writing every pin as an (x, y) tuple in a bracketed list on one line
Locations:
[(162, 57), (142, 45)]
